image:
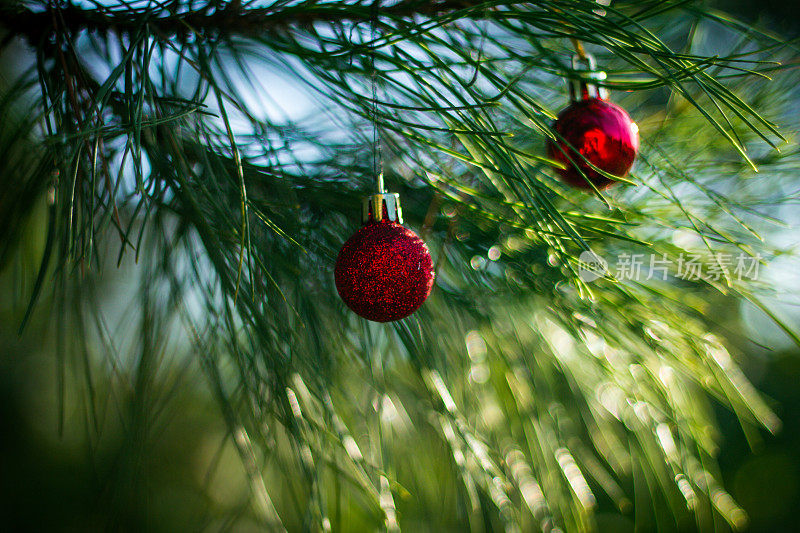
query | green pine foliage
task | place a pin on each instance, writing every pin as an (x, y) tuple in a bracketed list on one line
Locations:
[(521, 396)]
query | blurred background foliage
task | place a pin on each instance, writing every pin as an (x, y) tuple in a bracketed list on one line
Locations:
[(173, 200)]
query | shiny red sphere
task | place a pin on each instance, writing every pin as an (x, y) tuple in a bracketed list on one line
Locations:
[(384, 272), (601, 132)]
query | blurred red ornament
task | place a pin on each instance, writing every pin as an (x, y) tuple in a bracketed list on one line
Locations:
[(384, 272), (592, 129), (600, 132)]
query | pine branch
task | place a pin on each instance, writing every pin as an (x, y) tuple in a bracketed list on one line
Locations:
[(240, 214), (233, 18)]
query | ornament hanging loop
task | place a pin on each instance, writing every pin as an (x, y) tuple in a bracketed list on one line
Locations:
[(379, 186), (583, 79)]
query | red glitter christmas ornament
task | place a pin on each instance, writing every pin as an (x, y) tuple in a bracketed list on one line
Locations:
[(595, 130), (384, 272)]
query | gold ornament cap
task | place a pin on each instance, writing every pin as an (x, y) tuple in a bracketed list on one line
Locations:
[(380, 207)]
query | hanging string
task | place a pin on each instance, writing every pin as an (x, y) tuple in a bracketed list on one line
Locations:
[(579, 49), (377, 159), (588, 67)]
